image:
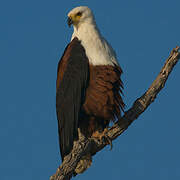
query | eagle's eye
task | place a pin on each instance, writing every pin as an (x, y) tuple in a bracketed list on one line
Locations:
[(79, 14)]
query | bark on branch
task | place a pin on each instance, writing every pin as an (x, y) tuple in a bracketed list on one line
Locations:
[(92, 146)]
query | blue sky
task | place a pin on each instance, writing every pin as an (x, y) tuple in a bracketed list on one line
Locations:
[(33, 35)]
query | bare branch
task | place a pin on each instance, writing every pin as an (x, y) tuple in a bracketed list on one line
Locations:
[(92, 146)]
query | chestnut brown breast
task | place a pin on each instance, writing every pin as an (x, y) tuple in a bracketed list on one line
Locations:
[(103, 97)]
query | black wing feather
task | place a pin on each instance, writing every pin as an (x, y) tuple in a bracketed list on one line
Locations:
[(70, 96)]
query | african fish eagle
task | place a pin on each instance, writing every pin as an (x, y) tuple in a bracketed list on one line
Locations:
[(88, 87)]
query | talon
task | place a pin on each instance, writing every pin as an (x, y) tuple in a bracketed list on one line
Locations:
[(110, 143), (108, 140)]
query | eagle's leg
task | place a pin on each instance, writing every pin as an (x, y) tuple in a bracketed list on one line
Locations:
[(98, 129), (102, 136)]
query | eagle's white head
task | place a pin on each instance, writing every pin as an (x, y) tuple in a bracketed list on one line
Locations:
[(98, 50), (79, 16)]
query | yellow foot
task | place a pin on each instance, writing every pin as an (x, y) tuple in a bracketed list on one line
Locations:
[(102, 136)]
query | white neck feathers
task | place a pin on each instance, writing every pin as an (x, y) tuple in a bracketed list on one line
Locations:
[(98, 50)]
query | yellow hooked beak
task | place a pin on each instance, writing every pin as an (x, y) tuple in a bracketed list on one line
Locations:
[(69, 21), (73, 19)]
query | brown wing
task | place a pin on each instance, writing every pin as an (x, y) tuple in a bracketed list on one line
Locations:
[(72, 79)]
